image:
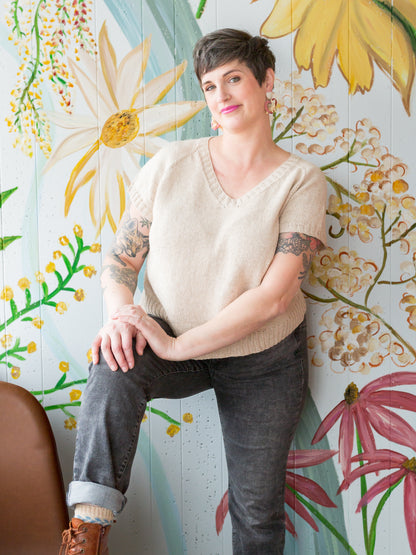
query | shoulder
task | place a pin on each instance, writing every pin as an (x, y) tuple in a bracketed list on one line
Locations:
[(176, 151), (308, 170)]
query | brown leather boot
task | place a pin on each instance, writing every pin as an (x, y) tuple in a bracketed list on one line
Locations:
[(84, 537)]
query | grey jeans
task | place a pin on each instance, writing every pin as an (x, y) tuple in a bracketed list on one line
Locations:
[(259, 397)]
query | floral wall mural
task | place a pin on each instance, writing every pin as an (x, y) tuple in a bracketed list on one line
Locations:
[(96, 87)]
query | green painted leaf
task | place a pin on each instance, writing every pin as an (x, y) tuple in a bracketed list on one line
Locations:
[(6, 241), (5, 195)]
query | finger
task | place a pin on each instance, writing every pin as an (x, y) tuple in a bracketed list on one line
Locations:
[(127, 347), (127, 319), (106, 349), (95, 349), (118, 352), (140, 343)]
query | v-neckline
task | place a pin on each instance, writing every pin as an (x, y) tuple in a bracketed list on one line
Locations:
[(218, 191)]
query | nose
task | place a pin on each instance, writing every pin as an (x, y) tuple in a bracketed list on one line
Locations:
[(222, 93)]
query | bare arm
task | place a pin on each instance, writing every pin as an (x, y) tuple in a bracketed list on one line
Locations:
[(121, 268), (246, 314)]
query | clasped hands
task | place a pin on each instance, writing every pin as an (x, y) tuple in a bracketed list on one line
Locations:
[(116, 338)]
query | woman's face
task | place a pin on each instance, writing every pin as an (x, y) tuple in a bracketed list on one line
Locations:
[(234, 96)]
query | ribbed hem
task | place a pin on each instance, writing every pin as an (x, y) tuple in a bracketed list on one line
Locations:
[(93, 513), (260, 340), (95, 494)]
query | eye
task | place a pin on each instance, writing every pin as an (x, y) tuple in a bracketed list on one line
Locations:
[(234, 79), (209, 88)]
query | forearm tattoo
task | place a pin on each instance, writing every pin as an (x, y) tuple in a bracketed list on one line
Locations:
[(299, 244), (130, 240), (123, 276)]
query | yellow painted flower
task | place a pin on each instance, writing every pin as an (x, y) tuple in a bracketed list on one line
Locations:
[(172, 430), (125, 123), (356, 32), (50, 267), (61, 307), (64, 366), (23, 283), (89, 271), (40, 278), (37, 322), (31, 348), (78, 231), (7, 294), (56, 255), (79, 295), (89, 355), (75, 394), (6, 340), (144, 419), (15, 372), (63, 240), (188, 418), (70, 423), (95, 247)]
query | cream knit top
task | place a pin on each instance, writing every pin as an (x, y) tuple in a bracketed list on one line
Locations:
[(206, 248)]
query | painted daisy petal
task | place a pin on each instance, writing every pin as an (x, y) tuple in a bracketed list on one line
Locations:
[(391, 426), (221, 513), (364, 430), (73, 143), (387, 456), (146, 146), (158, 87), (130, 73), (329, 420), (286, 16), (70, 121), (290, 526), (346, 440), (407, 9), (381, 486), (71, 187), (308, 457), (410, 509), (108, 63), (163, 118), (309, 488), (390, 380), (316, 41), (297, 506), (361, 471), (395, 399)]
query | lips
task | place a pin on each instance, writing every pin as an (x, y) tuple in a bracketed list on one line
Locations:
[(229, 109)]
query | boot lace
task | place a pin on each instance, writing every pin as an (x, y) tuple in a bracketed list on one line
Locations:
[(70, 541)]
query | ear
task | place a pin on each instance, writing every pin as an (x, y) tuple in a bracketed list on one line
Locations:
[(269, 79)]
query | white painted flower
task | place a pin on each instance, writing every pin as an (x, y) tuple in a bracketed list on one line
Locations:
[(126, 122)]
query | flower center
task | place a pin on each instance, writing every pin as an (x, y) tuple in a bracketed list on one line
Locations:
[(351, 394), (120, 129), (410, 464)]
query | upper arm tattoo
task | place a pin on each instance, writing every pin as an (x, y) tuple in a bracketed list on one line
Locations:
[(131, 239), (299, 244)]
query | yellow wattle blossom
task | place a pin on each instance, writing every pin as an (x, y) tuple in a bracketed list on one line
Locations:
[(89, 271), (355, 33), (172, 430), (15, 372), (79, 295), (75, 394), (31, 347), (125, 122), (50, 268), (6, 340), (70, 423), (40, 278), (23, 283), (188, 418), (61, 307), (63, 240), (95, 247), (37, 322), (7, 294), (56, 255), (89, 355), (64, 366)]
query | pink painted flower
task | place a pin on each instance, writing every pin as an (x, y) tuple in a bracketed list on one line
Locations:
[(367, 410), (302, 485), (384, 459)]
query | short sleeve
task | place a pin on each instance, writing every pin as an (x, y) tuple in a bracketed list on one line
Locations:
[(144, 187), (305, 208)]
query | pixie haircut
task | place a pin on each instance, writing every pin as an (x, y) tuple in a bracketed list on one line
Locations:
[(225, 45)]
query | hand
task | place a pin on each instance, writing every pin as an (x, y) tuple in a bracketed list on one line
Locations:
[(116, 342), (162, 344)]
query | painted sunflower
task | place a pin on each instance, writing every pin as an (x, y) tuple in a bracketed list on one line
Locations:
[(358, 33), (126, 122)]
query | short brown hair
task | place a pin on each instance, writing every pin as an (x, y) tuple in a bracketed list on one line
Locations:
[(225, 45)]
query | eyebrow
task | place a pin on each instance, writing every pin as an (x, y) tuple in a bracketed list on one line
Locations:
[(224, 75)]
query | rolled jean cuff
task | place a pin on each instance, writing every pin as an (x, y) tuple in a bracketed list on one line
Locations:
[(96, 494)]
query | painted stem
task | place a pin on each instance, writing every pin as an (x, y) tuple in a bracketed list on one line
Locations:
[(200, 9), (289, 125), (377, 513), (323, 520), (384, 261), (363, 485)]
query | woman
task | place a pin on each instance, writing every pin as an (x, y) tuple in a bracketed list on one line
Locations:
[(229, 225)]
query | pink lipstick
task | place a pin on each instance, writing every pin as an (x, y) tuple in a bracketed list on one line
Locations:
[(229, 109)]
